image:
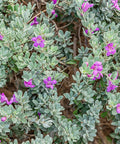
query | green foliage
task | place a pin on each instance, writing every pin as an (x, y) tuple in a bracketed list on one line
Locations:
[(88, 97)]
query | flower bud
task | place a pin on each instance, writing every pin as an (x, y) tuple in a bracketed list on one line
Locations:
[(3, 119)]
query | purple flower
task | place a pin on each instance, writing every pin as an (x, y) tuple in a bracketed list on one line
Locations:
[(97, 68), (13, 99), (97, 29), (115, 4), (29, 84), (85, 6), (118, 108), (4, 98), (35, 22), (110, 49), (53, 12), (3, 119), (54, 1), (110, 86), (39, 114), (49, 83), (38, 41), (1, 37)]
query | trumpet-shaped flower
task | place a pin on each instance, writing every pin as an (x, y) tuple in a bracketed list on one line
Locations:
[(3, 119), (4, 98), (86, 5), (29, 84), (97, 68), (13, 99), (118, 108), (54, 1), (35, 22), (110, 49), (38, 41), (49, 83)]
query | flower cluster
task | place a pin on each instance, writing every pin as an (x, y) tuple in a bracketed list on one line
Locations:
[(4, 99), (97, 68), (49, 84)]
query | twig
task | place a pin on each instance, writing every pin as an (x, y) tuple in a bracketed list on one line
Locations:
[(24, 2), (74, 46), (55, 25), (67, 24), (74, 50), (79, 30), (35, 16)]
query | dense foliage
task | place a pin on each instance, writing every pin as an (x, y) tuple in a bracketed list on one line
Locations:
[(36, 51)]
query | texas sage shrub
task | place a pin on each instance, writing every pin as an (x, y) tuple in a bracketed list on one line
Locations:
[(35, 46)]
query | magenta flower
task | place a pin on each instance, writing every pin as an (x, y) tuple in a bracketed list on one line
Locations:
[(85, 6), (54, 1), (1, 37), (110, 85), (13, 99), (49, 83), (97, 29), (39, 114), (29, 84), (35, 22), (112, 77), (3, 119), (110, 49), (53, 12), (4, 98), (97, 68), (115, 4), (38, 41), (118, 108)]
